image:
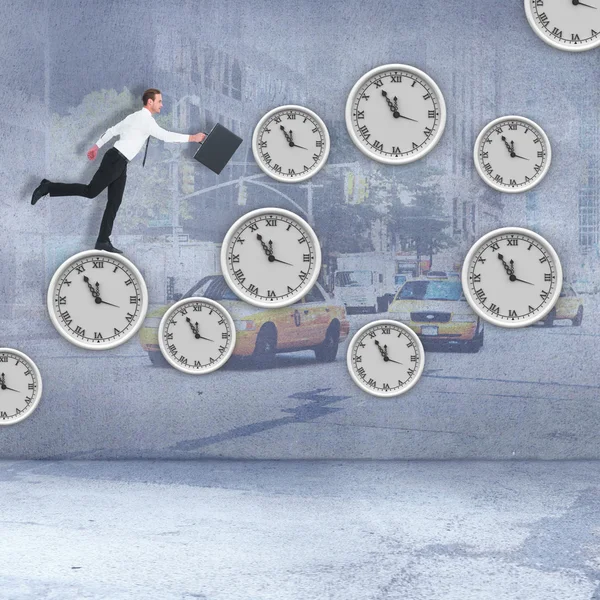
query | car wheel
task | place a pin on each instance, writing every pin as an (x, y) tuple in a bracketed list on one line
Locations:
[(473, 346), (549, 319), (266, 345), (157, 359), (578, 317), (326, 351)]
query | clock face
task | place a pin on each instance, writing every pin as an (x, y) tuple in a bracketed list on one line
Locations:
[(566, 24), (512, 277), (196, 335), (97, 300), (20, 386), (270, 257), (385, 358), (512, 154), (395, 114), (290, 143)]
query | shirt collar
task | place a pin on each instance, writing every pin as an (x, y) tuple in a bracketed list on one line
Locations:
[(145, 109)]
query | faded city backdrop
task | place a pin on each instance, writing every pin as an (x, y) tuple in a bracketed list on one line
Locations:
[(72, 69)]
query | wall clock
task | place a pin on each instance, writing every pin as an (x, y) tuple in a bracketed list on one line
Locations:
[(512, 277), (97, 300), (20, 386), (385, 358), (196, 335), (270, 257), (512, 154), (395, 114), (291, 143), (572, 25)]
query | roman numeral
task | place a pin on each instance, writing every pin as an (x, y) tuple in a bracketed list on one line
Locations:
[(513, 182), (540, 154), (302, 275), (372, 334), (319, 143), (197, 364), (360, 114), (271, 222), (413, 358), (477, 278), (512, 126), (62, 299), (386, 330), (495, 246), (196, 308), (513, 242), (98, 335), (271, 294), (544, 20), (253, 289), (574, 37), (395, 78), (315, 157), (277, 119), (291, 116), (494, 309), (253, 227), (97, 264), (133, 299), (481, 295), (183, 360), (277, 168), (395, 150), (302, 240), (512, 313), (80, 269), (431, 114), (173, 349), (80, 331), (372, 382), (30, 386), (129, 282), (266, 157), (544, 295), (543, 259), (427, 96), (427, 131), (169, 336), (306, 257), (485, 155), (547, 276), (239, 275), (225, 335), (66, 318), (361, 371), (499, 178), (488, 167), (129, 317), (378, 83), (386, 387), (364, 131), (377, 145)]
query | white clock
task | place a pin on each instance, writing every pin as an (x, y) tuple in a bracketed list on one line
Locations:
[(512, 154), (270, 257), (291, 143), (20, 386), (395, 114), (572, 25), (97, 300), (385, 358), (196, 335), (512, 277)]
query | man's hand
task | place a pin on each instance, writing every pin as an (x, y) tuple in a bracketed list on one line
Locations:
[(92, 152), (198, 137)]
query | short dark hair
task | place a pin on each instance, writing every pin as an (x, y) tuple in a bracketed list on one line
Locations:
[(149, 95)]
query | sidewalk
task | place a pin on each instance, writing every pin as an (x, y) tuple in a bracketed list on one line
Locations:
[(300, 530)]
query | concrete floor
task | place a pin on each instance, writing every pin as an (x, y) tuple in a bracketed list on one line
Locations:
[(300, 530)]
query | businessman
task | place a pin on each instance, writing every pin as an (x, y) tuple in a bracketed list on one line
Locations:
[(133, 131)]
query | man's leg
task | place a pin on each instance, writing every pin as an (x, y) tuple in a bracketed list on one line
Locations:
[(110, 168), (115, 196)]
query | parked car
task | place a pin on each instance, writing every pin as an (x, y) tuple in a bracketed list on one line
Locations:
[(569, 306), (314, 323), (436, 275), (437, 311)]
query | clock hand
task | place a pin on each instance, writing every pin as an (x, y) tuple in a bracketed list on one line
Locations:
[(95, 292), (292, 142), (294, 145), (287, 137), (4, 386), (103, 302), (509, 271), (196, 332), (394, 107), (281, 261), (578, 3), (268, 251), (513, 277)]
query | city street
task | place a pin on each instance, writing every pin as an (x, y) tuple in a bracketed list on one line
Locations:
[(524, 395)]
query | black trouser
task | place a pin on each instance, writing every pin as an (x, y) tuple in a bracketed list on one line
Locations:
[(112, 173)]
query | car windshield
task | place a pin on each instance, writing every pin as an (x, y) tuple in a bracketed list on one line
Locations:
[(353, 278), (213, 288), (431, 290)]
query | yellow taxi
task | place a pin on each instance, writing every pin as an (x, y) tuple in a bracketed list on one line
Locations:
[(436, 310), (314, 323), (569, 306)]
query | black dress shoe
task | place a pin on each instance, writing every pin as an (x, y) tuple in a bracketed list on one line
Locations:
[(107, 247), (40, 191)]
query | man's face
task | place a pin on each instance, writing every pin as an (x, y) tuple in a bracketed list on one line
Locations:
[(155, 105)]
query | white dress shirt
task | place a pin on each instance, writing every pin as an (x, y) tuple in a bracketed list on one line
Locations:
[(134, 130)]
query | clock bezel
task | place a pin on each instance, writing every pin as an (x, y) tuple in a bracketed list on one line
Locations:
[(380, 323), (270, 303), (143, 297), (326, 143), (466, 269), (412, 157), (34, 404), (483, 174), (223, 357), (549, 40)]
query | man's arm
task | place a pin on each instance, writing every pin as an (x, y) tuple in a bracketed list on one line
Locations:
[(170, 136), (105, 137)]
